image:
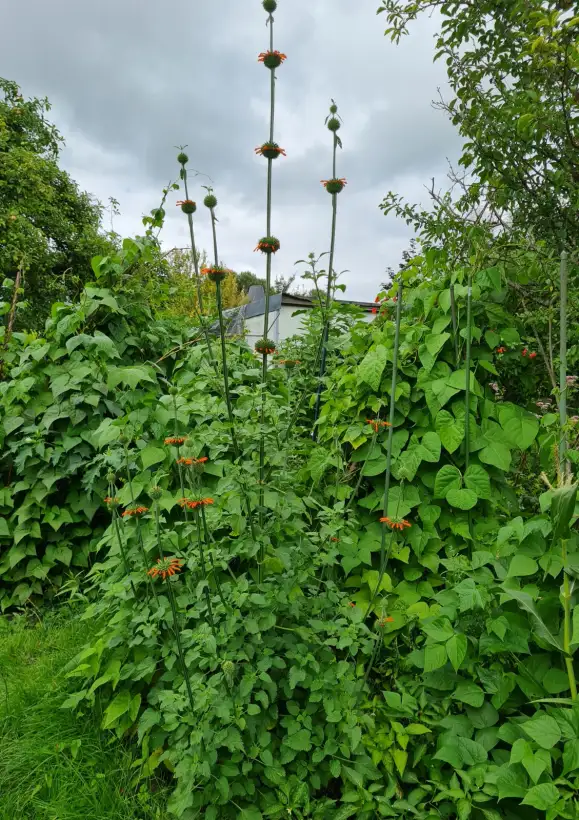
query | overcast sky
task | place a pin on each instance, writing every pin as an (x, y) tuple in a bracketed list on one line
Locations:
[(130, 79)]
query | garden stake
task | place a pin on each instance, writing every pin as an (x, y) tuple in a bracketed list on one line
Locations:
[(454, 324), (383, 553), (333, 186)]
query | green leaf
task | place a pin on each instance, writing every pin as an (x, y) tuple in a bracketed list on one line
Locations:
[(450, 430), (460, 752), (300, 741), (496, 454), (372, 366), (563, 501), (478, 480), (526, 602), (522, 565), (519, 427), (543, 729), (438, 629), (400, 758), (434, 657), (11, 423), (447, 478), (469, 692), (542, 797), (116, 709), (555, 682), (463, 499), (4, 528), (431, 446), (152, 455), (456, 649), (435, 343)]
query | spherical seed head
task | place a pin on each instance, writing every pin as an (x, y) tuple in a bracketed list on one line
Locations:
[(333, 108), (173, 391), (210, 201), (334, 124), (182, 158), (155, 493), (123, 438), (111, 476), (228, 669), (265, 347), (188, 206), (269, 5)]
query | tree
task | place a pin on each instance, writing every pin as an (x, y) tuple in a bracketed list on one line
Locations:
[(513, 66), (50, 229)]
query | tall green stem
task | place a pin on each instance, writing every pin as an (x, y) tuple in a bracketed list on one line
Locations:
[(266, 307), (199, 308), (563, 366), (122, 550), (177, 633), (326, 328), (204, 569), (567, 624), (193, 248), (383, 552), (226, 370)]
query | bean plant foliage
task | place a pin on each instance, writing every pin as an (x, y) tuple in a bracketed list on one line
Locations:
[(330, 581)]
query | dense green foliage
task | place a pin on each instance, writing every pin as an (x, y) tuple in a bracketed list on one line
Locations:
[(346, 597)]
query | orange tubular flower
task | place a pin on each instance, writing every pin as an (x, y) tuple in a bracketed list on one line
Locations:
[(270, 150), (134, 511), (376, 424), (271, 59), (192, 503), (176, 440), (385, 620), (190, 462), (395, 523), (501, 350), (165, 567)]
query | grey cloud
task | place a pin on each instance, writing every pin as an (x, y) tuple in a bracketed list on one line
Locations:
[(129, 80)]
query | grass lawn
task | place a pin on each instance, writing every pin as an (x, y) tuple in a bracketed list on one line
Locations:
[(53, 766)]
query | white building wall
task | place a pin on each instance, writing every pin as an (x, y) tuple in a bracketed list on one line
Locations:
[(282, 324)]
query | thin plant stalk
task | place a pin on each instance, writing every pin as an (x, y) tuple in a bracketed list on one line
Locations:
[(122, 550), (228, 401), (454, 323), (204, 569), (567, 624), (211, 561), (329, 295), (563, 367), (384, 554), (177, 633), (137, 522), (267, 302), (193, 246)]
